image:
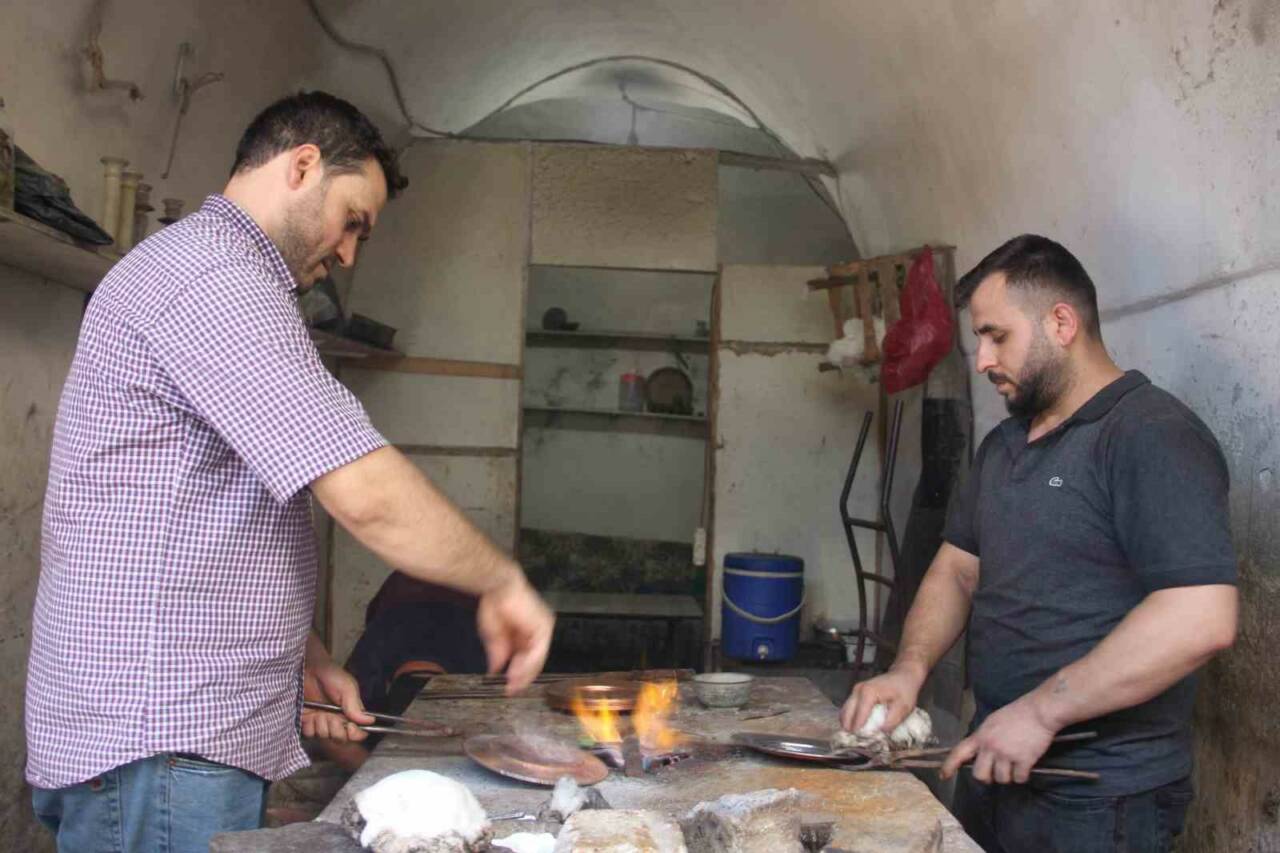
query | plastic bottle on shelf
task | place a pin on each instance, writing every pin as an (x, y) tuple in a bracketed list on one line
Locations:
[(7, 177), (631, 393)]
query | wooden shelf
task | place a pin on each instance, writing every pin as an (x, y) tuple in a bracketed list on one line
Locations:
[(644, 341), (336, 346), (607, 420), (48, 253)]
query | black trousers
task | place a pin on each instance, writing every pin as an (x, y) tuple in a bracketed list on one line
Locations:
[(1022, 819)]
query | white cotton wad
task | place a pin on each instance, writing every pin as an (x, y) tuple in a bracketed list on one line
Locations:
[(874, 722), (527, 842), (915, 731), (419, 806), (566, 799)]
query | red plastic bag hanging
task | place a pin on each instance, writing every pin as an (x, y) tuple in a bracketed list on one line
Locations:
[(922, 336)]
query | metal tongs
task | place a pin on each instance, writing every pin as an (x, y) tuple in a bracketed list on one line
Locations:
[(931, 758), (409, 728)]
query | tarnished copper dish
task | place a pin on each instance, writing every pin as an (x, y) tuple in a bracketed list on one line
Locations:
[(797, 747), (534, 759), (617, 696)]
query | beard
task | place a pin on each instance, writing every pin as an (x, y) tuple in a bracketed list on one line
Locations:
[(1043, 380), (302, 234)]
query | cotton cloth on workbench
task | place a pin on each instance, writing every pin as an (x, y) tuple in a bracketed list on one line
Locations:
[(178, 569)]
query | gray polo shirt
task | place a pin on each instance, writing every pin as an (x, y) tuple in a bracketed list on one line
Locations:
[(1126, 497)]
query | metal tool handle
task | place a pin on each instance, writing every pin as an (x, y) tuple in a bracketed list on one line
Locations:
[(440, 731), (387, 718), (924, 764), (943, 750)]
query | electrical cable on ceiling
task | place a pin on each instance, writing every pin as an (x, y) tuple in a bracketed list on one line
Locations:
[(781, 147), (387, 65)]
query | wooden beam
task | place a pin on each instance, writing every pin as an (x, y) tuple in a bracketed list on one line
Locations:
[(832, 282), (851, 272), (455, 450), (439, 367), (801, 165)]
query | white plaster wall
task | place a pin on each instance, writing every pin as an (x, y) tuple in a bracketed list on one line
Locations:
[(266, 50), (448, 264), (764, 217), (612, 484), (449, 272), (38, 325), (784, 435), (438, 411)]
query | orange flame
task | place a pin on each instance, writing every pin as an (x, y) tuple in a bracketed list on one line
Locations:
[(654, 707), (600, 724), (655, 704)]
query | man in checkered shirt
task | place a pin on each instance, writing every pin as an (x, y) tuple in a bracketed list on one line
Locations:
[(178, 574)]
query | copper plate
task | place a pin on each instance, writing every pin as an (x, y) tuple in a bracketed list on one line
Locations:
[(799, 748), (532, 759), (617, 696)]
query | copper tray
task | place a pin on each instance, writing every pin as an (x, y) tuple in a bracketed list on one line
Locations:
[(541, 761), (617, 696)]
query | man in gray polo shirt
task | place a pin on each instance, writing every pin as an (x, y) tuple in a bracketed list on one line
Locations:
[(1090, 555)]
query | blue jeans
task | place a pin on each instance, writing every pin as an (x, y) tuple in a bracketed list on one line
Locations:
[(167, 803), (1022, 819)]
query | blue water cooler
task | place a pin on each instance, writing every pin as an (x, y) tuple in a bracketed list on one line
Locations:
[(763, 595)]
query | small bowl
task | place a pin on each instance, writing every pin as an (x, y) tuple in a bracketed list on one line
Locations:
[(723, 689)]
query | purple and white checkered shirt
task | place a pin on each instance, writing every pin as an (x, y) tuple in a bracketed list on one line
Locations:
[(178, 569)]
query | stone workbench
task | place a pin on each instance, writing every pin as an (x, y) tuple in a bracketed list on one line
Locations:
[(875, 811)]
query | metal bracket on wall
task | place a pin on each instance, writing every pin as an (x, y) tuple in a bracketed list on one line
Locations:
[(883, 523)]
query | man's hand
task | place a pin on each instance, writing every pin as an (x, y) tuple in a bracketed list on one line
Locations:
[(1006, 746), (328, 682), (897, 690), (515, 626)]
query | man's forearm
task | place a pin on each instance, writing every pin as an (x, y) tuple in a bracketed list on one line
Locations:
[(386, 503), (939, 613), (1168, 636), (316, 655)]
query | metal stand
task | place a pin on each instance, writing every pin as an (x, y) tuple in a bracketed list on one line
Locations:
[(882, 524)]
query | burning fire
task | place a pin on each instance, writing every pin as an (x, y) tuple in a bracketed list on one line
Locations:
[(600, 724), (654, 706)]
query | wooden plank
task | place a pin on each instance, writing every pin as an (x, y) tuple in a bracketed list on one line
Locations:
[(623, 605), (851, 272), (336, 346), (712, 586), (48, 253), (454, 450), (646, 342), (441, 367), (800, 165), (603, 420)]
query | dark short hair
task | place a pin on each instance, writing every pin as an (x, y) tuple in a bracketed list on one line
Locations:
[(1034, 263), (345, 136)]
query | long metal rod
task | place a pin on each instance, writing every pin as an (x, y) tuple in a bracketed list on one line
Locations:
[(848, 523), (388, 718), (882, 524), (886, 512)]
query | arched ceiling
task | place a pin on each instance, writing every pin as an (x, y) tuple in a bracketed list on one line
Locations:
[(1144, 135)]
